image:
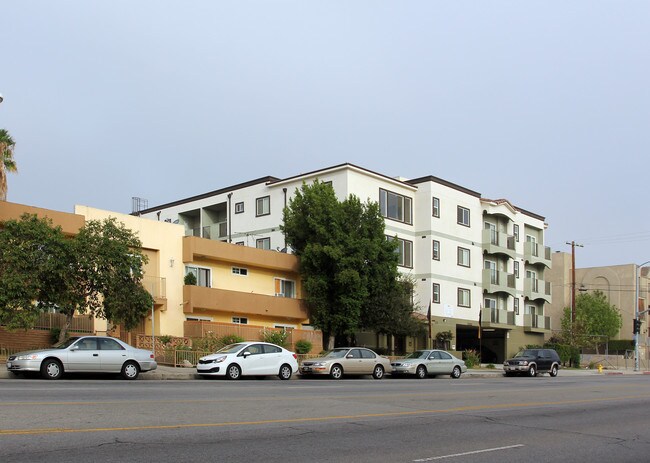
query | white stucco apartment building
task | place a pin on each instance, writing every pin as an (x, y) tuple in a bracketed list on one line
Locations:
[(468, 254)]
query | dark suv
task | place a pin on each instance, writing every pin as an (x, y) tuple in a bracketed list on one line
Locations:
[(532, 361)]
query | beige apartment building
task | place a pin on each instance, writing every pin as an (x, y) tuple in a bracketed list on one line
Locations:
[(617, 282)]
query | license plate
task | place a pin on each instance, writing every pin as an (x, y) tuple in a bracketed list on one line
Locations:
[(306, 368)]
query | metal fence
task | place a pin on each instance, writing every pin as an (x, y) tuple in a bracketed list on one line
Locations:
[(80, 324)]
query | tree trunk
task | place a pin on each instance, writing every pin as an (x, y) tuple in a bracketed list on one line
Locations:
[(330, 342), (63, 334)]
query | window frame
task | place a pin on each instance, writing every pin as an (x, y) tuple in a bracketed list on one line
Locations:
[(238, 271), (435, 298), (435, 207), (460, 219), (238, 209), (199, 268), (282, 287), (238, 320), (435, 250), (515, 305), (459, 254), (515, 268), (263, 240), (407, 212), (265, 200), (401, 246), (469, 297), (515, 232)]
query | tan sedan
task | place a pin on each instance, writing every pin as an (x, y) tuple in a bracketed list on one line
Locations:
[(348, 361)]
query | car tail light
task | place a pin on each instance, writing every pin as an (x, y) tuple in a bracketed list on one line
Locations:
[(151, 356), (295, 356)]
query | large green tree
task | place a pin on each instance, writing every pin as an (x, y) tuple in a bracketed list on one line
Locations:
[(348, 267), (596, 320), (7, 162), (97, 272)]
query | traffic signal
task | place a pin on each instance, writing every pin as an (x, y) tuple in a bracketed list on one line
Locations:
[(636, 327)]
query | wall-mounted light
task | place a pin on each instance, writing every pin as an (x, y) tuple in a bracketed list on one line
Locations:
[(171, 262)]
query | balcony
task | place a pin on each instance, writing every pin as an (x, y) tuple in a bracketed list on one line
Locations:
[(216, 231), (499, 243), (537, 323), (497, 318), (157, 287), (498, 282), (222, 300), (537, 254), (537, 289)]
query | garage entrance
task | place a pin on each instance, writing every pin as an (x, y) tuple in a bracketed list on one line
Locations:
[(492, 346)]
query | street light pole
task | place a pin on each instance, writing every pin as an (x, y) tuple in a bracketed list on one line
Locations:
[(637, 314)]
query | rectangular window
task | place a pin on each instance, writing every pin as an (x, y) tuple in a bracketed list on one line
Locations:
[(463, 257), (394, 206), (463, 216), (436, 250), (262, 206), (515, 232), (436, 207), (263, 243), (516, 269), (240, 271), (285, 288), (404, 251), (240, 320), (516, 305), (239, 208), (203, 275), (436, 293), (464, 297)]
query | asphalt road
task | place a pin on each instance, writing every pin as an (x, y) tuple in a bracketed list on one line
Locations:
[(569, 419)]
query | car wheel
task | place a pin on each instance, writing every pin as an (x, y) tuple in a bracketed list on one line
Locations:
[(336, 372), (421, 372), (285, 372), (532, 371), (51, 369), (378, 372), (233, 372), (130, 370), (455, 373), (553, 371)]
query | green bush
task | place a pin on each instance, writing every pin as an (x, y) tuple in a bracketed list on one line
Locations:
[(472, 358), (165, 338), (569, 355), (230, 339), (303, 346), (275, 337)]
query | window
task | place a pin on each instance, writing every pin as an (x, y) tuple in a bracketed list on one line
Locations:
[(436, 207), (394, 206), (240, 320), (366, 354), (404, 251), (436, 293), (198, 318), (240, 271), (463, 216), (239, 243), (203, 275), (285, 288), (436, 250), (87, 344), (445, 356), (464, 297), (516, 305), (271, 349), (109, 344), (515, 231), (263, 243), (515, 268), (239, 208), (463, 257), (263, 206)]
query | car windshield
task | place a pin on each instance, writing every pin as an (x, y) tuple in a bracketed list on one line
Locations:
[(525, 353), (336, 353), (231, 348), (67, 343), (418, 354)]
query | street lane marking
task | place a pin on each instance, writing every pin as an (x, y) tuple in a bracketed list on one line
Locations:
[(469, 408), (471, 453)]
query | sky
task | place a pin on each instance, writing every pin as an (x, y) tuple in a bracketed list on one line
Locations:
[(546, 104)]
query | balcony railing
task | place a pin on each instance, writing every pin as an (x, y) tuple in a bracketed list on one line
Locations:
[(537, 323), (537, 254), (537, 289), (156, 286), (494, 282), (491, 316), (216, 231), (499, 243)]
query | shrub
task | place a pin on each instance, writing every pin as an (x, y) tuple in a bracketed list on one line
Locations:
[(275, 337), (165, 338), (230, 339), (490, 366), (472, 358), (190, 279), (303, 346)]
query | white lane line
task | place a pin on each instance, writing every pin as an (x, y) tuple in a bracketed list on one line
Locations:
[(471, 453)]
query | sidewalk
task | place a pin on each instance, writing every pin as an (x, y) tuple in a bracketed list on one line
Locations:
[(164, 372)]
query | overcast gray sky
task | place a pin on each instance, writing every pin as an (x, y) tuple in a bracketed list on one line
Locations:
[(546, 104)]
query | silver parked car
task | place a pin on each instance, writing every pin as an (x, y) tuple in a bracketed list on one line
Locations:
[(349, 361), (86, 354), (423, 363)]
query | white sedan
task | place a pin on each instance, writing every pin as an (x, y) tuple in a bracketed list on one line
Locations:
[(249, 359)]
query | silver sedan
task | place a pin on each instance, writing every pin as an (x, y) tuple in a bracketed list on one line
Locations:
[(423, 363), (348, 361), (87, 354)]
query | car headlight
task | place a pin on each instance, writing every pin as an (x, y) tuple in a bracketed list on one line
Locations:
[(27, 357), (523, 362), (318, 364), (406, 364), (220, 359)]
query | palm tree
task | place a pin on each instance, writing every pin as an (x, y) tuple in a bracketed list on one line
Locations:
[(7, 163)]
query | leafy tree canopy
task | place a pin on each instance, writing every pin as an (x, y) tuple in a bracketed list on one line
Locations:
[(595, 320), (98, 272)]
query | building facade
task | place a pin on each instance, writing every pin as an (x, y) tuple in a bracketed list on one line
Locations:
[(473, 259)]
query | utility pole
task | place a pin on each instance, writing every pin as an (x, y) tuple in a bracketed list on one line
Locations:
[(573, 280)]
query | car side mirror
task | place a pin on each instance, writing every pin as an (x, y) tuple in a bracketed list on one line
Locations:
[(73, 348), (246, 354), (349, 356)]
